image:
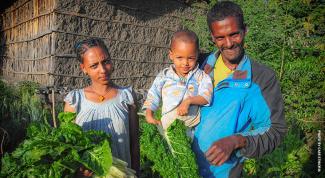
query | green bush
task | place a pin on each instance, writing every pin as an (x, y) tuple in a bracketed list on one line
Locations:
[(19, 105)]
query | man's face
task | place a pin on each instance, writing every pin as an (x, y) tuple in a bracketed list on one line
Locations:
[(229, 39)]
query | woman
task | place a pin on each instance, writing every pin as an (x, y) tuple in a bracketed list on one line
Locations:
[(103, 105)]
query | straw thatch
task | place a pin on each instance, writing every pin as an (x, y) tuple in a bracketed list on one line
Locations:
[(37, 38)]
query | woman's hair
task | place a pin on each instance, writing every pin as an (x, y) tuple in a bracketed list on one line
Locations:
[(82, 46)]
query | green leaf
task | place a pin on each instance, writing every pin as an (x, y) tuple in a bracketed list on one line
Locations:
[(66, 117), (98, 159)]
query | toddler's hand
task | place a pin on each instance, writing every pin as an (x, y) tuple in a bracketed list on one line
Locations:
[(182, 109), (153, 121)]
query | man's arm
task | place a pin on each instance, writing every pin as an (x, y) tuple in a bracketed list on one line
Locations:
[(263, 142)]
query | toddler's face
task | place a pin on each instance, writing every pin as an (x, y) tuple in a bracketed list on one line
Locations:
[(97, 64), (184, 56)]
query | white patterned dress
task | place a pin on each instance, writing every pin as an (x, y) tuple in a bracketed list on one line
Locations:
[(110, 116)]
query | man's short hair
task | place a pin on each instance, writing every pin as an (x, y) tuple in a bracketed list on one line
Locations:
[(224, 9), (186, 36)]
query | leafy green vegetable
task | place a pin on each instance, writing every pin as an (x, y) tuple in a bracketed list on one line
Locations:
[(155, 148), (96, 159), (58, 152), (180, 145), (119, 169), (170, 152)]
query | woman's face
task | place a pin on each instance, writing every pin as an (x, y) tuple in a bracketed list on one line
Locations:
[(97, 64)]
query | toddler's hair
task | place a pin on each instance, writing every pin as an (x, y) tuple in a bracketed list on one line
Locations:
[(82, 46), (186, 36)]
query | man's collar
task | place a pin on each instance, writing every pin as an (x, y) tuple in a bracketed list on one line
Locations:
[(241, 78)]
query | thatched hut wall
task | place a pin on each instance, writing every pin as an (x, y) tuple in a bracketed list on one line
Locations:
[(37, 38), (26, 39)]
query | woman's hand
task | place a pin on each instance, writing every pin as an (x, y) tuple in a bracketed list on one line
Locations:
[(85, 172)]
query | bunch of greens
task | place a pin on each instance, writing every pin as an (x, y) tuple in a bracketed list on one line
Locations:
[(169, 151), (58, 152)]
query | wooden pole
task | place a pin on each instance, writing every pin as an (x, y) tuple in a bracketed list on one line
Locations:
[(53, 107)]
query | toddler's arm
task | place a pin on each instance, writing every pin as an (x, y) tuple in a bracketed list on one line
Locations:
[(182, 109), (153, 99), (150, 118)]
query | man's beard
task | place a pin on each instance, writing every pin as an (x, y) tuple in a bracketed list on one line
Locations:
[(236, 59)]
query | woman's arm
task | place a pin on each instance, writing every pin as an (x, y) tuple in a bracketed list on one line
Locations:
[(134, 138), (68, 108)]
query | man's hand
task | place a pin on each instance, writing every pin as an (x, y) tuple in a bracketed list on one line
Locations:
[(182, 109), (221, 150)]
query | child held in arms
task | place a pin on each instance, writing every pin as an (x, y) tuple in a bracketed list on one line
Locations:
[(103, 105), (182, 87)]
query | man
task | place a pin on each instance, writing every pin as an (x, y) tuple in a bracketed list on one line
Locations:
[(246, 116)]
